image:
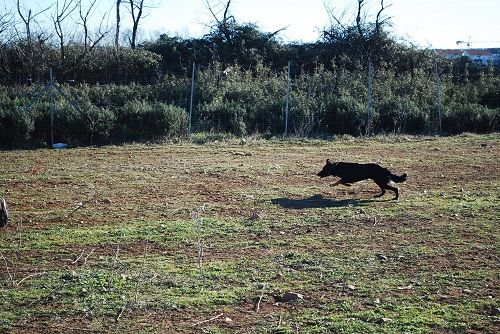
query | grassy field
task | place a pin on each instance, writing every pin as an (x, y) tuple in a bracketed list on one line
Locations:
[(213, 238)]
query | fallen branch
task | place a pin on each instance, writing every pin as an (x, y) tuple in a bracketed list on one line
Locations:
[(121, 312), (86, 257), (257, 305), (79, 206), (7, 268), (30, 276), (79, 257), (208, 320)]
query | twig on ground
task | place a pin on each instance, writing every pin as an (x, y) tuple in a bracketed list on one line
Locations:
[(257, 305), (30, 276), (7, 268), (79, 257), (88, 255), (207, 320), (121, 312), (137, 290), (199, 235), (78, 207), (116, 252)]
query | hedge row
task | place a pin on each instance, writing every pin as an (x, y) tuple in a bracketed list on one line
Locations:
[(89, 124), (247, 101)]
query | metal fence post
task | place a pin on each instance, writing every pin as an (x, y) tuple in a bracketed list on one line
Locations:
[(369, 107), (52, 108), (191, 99), (438, 100), (287, 100)]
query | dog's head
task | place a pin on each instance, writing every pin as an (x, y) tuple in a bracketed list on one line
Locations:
[(328, 169)]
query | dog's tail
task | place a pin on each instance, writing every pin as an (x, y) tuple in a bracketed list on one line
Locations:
[(398, 179)]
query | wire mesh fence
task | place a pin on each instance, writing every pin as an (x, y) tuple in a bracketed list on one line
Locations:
[(241, 101)]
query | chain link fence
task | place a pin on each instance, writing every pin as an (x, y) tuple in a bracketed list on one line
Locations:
[(242, 101)]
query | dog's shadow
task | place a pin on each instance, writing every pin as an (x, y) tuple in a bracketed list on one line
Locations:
[(318, 201)]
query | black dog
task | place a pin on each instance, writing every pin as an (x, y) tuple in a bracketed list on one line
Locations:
[(350, 172)]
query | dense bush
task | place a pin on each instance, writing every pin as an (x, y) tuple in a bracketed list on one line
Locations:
[(402, 115), (244, 101), (15, 126), (470, 117), (85, 123), (99, 123), (140, 120)]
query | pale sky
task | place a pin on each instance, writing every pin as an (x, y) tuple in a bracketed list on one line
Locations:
[(426, 23)]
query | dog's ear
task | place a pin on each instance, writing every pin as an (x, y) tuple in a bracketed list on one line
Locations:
[(328, 162)]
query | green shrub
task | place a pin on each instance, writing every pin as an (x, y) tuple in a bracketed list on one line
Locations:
[(344, 115), (401, 115), (99, 124), (144, 120), (470, 117), (210, 137), (16, 126), (224, 117)]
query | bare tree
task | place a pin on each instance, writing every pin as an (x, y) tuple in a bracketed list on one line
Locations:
[(370, 37), (5, 25), (6, 20), (222, 25), (89, 42), (136, 11), (62, 12), (28, 18), (117, 31)]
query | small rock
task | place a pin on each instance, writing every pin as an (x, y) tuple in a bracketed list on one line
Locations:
[(382, 257), (383, 321), (243, 154), (408, 287), (289, 297), (376, 301), (350, 287), (494, 311), (228, 320), (255, 216)]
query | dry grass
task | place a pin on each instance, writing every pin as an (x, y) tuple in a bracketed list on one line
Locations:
[(108, 239)]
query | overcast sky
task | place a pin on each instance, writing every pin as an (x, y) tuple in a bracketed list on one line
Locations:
[(427, 23)]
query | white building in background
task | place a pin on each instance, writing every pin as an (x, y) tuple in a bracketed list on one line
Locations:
[(450, 53), (480, 56)]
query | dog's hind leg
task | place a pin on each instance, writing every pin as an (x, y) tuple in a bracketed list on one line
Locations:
[(396, 190), (383, 186), (381, 194)]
